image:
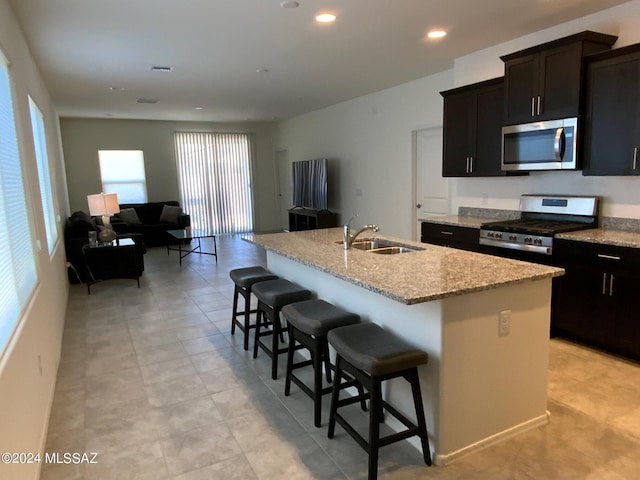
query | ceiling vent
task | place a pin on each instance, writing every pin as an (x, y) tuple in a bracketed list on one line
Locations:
[(160, 68), (150, 101)]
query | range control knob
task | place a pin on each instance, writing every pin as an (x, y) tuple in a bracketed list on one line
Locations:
[(527, 239), (537, 241), (499, 236), (513, 238)]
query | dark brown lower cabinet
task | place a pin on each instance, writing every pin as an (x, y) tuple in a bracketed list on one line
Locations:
[(597, 300)]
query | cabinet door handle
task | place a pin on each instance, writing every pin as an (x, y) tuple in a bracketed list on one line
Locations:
[(608, 257), (538, 109), (471, 164), (635, 157), (611, 285), (604, 284), (444, 232), (533, 106)]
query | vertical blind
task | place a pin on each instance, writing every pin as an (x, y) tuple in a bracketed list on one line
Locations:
[(214, 174), (44, 176), (17, 265)]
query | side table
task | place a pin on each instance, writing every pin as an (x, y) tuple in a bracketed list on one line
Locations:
[(117, 259)]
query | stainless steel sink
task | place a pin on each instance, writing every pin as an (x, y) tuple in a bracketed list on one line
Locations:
[(373, 245), (393, 250)]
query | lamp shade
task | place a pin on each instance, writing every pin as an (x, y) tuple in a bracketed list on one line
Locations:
[(101, 204)]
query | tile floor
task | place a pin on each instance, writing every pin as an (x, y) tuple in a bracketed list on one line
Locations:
[(152, 381)]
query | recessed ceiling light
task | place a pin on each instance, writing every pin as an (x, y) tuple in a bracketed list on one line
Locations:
[(161, 68), (116, 89), (326, 17), (289, 4), (435, 34), (262, 70), (199, 108)]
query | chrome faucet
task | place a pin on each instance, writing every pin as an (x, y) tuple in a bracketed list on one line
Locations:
[(348, 237)]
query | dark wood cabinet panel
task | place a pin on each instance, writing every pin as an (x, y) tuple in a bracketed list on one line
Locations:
[(612, 122), (545, 82), (472, 130), (596, 301)]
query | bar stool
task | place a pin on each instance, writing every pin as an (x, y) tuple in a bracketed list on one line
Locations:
[(372, 355), (309, 322), (244, 278), (272, 295)]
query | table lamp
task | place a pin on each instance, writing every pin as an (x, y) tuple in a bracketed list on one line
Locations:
[(105, 205)]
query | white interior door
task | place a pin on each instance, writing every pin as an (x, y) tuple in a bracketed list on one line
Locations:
[(431, 188), (284, 187)]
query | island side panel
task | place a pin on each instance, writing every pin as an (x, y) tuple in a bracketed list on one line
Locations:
[(493, 385), (419, 324)]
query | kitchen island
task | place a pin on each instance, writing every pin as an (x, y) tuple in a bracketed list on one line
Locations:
[(483, 320)]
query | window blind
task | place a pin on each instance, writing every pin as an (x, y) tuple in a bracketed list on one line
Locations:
[(17, 264), (122, 172), (214, 175), (44, 176)]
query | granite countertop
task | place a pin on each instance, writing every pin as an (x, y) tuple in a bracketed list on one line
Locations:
[(604, 236), (459, 220), (416, 277)]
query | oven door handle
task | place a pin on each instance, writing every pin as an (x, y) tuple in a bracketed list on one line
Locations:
[(559, 144)]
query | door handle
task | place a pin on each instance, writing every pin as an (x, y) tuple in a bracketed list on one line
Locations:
[(444, 232), (608, 257), (559, 144), (471, 164), (611, 285), (533, 106), (604, 284), (635, 157), (538, 109), (419, 205)]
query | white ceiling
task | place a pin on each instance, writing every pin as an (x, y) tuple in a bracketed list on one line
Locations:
[(83, 47)]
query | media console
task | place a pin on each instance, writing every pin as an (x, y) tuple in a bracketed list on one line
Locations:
[(310, 219)]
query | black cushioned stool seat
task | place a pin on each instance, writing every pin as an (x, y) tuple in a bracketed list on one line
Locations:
[(372, 355), (272, 295), (244, 279), (309, 322)]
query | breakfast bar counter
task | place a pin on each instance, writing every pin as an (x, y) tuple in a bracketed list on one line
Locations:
[(483, 320)]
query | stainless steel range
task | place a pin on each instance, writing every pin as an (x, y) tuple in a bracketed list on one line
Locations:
[(542, 216)]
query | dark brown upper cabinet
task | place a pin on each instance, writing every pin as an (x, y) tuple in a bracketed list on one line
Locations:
[(472, 130), (545, 82), (612, 120)]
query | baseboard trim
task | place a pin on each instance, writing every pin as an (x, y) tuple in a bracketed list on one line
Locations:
[(442, 459)]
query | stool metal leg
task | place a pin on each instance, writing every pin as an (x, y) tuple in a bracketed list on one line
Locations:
[(290, 351), (335, 397), (234, 313)]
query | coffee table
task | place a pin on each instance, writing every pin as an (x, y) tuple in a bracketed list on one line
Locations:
[(192, 234)]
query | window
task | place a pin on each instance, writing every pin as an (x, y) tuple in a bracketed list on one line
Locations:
[(17, 264), (42, 161), (214, 175), (122, 172)]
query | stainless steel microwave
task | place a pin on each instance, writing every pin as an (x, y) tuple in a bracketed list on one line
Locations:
[(549, 145)]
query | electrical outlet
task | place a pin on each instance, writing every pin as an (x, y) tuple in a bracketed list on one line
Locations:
[(504, 323)]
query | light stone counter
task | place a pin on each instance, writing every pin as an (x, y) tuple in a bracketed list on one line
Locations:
[(415, 277), (459, 220), (483, 320), (604, 236)]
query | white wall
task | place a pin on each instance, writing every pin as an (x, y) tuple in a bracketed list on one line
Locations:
[(83, 137), (370, 139), (25, 392)]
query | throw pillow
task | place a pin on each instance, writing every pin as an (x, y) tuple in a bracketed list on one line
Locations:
[(170, 214), (129, 215)]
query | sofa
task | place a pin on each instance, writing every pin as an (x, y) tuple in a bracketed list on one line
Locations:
[(128, 262), (151, 220)]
